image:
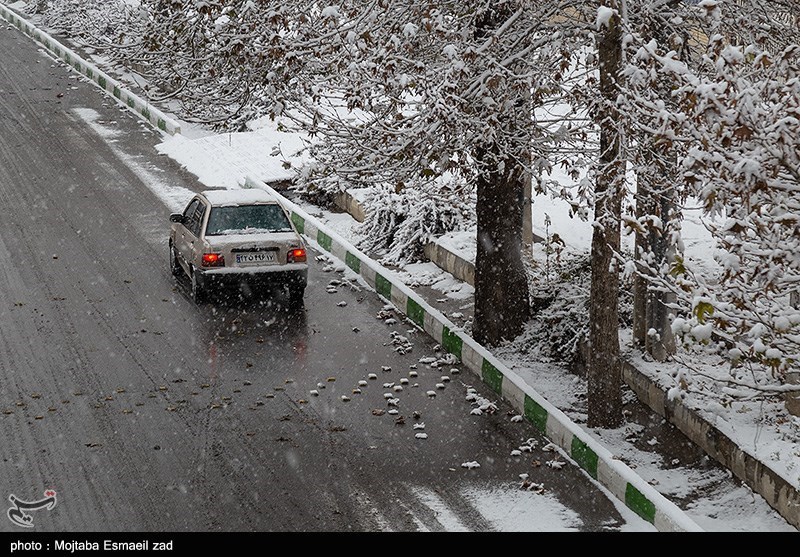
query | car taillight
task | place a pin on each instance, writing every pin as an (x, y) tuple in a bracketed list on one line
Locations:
[(213, 260), (297, 255)]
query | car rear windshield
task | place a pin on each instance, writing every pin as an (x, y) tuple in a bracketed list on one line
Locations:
[(247, 219)]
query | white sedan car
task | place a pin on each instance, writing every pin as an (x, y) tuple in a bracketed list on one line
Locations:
[(235, 237)]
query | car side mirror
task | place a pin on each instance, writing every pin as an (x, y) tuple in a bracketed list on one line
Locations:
[(176, 217)]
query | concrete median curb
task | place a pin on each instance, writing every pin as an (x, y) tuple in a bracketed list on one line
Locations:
[(585, 451), (142, 108), (620, 480)]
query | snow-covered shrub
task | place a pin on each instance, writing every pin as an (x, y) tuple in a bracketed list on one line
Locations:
[(561, 310), (399, 224)]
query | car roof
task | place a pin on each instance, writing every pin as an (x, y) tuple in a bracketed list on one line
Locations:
[(240, 196)]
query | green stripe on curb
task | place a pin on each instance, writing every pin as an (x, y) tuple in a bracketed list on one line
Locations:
[(640, 504), (89, 72), (324, 240), (145, 112), (451, 342), (353, 262), (492, 376), (383, 286), (415, 312), (131, 102), (162, 125), (536, 414), (117, 93), (299, 223), (584, 456), (101, 81)]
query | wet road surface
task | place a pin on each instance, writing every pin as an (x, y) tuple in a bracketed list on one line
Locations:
[(147, 412)]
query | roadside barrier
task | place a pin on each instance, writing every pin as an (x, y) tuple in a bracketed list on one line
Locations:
[(585, 451)]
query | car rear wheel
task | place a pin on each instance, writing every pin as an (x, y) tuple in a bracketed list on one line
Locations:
[(174, 266), (198, 292)]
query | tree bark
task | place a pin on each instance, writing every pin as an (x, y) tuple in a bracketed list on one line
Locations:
[(604, 366), (655, 196), (641, 248), (502, 299)]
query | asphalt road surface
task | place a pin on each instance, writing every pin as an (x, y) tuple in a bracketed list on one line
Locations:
[(147, 412)]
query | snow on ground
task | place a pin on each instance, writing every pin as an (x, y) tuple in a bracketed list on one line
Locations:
[(223, 160), (263, 152), (755, 427)]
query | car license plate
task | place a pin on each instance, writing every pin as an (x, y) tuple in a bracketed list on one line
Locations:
[(255, 258)]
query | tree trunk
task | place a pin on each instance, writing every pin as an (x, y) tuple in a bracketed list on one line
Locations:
[(604, 366), (641, 248), (660, 343), (656, 196), (502, 300)]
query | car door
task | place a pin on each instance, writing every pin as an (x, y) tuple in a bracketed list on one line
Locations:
[(188, 235)]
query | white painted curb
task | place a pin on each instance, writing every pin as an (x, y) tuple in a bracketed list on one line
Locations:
[(597, 461), (584, 450)]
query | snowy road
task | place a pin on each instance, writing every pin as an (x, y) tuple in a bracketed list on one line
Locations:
[(146, 412)]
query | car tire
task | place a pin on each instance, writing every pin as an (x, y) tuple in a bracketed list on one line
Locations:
[(198, 292), (174, 266)]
